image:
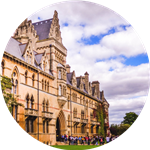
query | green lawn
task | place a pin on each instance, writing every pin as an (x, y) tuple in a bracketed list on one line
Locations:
[(75, 147)]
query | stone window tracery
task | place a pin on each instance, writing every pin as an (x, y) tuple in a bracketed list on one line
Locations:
[(32, 102), (27, 101), (14, 82), (16, 86), (59, 74), (42, 84), (43, 105), (47, 86), (47, 105), (60, 88), (33, 79)]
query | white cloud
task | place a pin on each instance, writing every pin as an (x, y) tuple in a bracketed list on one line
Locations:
[(124, 43), (122, 83)]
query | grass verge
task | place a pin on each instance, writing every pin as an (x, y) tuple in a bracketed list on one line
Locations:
[(75, 147)]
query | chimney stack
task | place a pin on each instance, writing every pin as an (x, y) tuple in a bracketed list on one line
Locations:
[(87, 82), (68, 68), (96, 85)]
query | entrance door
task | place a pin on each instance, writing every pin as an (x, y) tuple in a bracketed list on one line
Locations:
[(58, 136)]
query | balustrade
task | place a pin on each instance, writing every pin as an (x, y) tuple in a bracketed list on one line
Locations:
[(31, 112)]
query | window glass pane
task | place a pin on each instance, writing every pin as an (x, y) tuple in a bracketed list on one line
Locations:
[(15, 90), (59, 74)]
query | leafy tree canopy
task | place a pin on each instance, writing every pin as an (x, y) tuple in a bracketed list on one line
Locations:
[(130, 118)]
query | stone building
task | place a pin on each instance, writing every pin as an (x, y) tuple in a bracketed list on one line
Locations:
[(56, 101)]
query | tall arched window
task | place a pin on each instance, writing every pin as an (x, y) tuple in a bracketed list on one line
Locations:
[(74, 113), (33, 78), (43, 105), (16, 87), (27, 101), (65, 91), (26, 73), (59, 74), (32, 102), (60, 93), (42, 84), (47, 86), (47, 106)]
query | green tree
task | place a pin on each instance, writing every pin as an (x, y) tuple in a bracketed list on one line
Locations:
[(122, 128), (10, 99), (114, 129), (130, 118)]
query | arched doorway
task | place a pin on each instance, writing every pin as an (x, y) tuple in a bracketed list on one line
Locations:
[(58, 136), (60, 125)]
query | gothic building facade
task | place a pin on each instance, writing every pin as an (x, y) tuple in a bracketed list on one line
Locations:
[(55, 101)]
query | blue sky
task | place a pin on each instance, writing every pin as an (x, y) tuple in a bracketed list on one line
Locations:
[(95, 39), (105, 45)]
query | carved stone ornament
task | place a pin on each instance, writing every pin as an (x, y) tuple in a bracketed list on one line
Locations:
[(55, 28), (61, 101)]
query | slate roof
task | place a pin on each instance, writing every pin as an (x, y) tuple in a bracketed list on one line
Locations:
[(16, 49), (69, 76), (13, 48), (43, 28), (60, 65)]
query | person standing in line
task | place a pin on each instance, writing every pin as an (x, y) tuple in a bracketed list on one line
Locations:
[(65, 138), (83, 140), (69, 139), (96, 139), (107, 139), (79, 140), (76, 140), (99, 139), (88, 140)]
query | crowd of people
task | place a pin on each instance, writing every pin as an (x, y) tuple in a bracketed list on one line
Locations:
[(86, 140)]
